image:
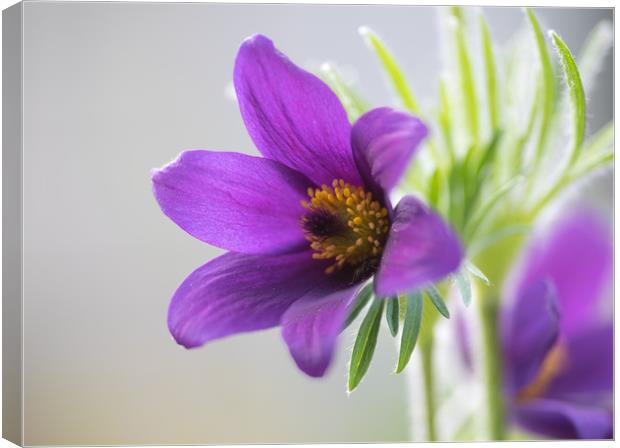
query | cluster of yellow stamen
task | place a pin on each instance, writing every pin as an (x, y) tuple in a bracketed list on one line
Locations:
[(361, 230)]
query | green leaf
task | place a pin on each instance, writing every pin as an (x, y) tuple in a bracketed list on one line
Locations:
[(489, 154), (475, 176), (597, 150), (434, 189), (548, 83), (351, 101), (468, 85), (593, 164), (395, 74), (601, 140), (489, 65), (577, 96), (445, 118), (365, 343), (363, 296), (392, 315), (411, 330), (438, 301), (462, 281), (477, 272), (485, 209)]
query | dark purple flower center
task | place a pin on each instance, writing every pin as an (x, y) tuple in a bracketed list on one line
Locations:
[(344, 224)]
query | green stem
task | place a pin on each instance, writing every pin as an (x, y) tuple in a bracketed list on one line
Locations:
[(488, 309), (429, 388)]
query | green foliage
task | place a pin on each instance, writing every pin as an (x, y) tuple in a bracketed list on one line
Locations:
[(438, 301), (392, 69), (464, 285), (411, 330), (363, 296), (392, 314), (466, 76), (491, 74), (365, 344), (577, 96), (497, 157), (472, 268), (548, 83)]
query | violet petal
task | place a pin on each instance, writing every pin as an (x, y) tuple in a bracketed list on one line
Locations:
[(237, 293), (311, 327), (563, 420), (234, 201), (577, 256), (421, 249), (530, 328), (384, 141), (292, 116), (589, 371)]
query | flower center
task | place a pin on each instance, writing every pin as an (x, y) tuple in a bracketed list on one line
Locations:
[(344, 224), (553, 364)]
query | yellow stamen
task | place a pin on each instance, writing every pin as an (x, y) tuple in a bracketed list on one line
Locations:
[(364, 225)]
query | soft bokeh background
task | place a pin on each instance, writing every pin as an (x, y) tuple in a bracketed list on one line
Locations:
[(113, 90)]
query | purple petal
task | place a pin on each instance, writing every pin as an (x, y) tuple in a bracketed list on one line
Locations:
[(421, 249), (236, 293), (234, 201), (577, 257), (311, 327), (562, 420), (384, 141), (292, 116), (589, 370), (530, 328)]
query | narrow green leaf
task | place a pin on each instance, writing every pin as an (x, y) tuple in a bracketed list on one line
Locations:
[(601, 140), (476, 175), (489, 154), (392, 315), (351, 101), (365, 343), (363, 296), (485, 209), (445, 118), (434, 188), (489, 65), (577, 96), (438, 301), (477, 272), (593, 164), (548, 83), (395, 74), (518, 156), (411, 330), (462, 281), (456, 184), (468, 85)]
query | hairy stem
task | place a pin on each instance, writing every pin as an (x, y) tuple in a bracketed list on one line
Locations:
[(429, 388), (488, 309)]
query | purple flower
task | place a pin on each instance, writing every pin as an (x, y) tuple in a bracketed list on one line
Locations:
[(307, 224), (558, 347)]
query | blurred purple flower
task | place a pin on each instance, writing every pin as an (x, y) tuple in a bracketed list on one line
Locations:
[(558, 347), (307, 224)]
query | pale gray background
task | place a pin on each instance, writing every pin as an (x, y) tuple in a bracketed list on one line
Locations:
[(113, 90)]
